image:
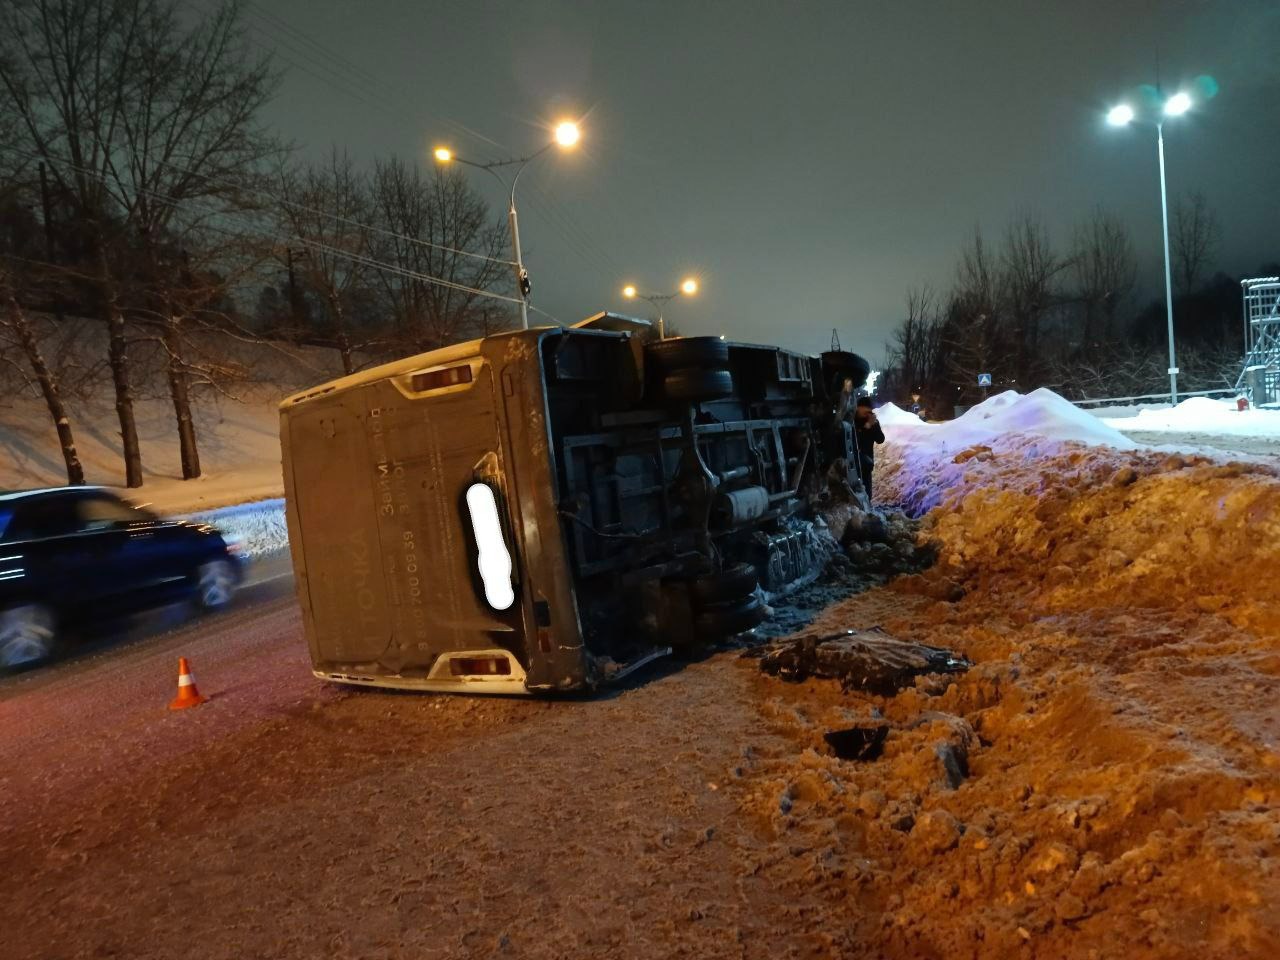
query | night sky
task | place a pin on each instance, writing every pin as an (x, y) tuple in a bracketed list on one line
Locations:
[(809, 161)]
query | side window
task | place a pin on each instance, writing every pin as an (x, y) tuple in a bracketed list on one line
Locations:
[(103, 513), (44, 517)]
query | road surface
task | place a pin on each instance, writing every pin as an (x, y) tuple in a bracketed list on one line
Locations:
[(1225, 443), (289, 818)]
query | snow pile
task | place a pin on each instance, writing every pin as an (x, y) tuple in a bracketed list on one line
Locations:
[(259, 527), (1202, 415), (892, 415), (923, 460), (1108, 767)]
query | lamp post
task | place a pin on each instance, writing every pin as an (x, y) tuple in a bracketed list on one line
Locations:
[(1121, 116), (688, 287), (566, 137)]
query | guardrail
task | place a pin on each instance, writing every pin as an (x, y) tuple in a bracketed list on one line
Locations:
[(1225, 391)]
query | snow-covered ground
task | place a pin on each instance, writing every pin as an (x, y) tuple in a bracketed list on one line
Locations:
[(259, 526)]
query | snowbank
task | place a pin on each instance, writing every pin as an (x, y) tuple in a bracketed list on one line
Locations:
[(260, 526), (1202, 415), (925, 459)]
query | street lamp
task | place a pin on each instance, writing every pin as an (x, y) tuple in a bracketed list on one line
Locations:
[(1122, 115), (688, 287), (566, 136)]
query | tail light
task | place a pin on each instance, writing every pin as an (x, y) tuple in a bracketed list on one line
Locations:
[(480, 667)]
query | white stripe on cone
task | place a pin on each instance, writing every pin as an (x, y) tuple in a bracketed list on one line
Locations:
[(186, 680)]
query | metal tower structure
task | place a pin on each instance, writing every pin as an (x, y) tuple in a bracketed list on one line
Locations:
[(1260, 378)]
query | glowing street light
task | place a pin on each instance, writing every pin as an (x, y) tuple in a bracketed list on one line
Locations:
[(1120, 116), (688, 287), (565, 135), (1177, 105)]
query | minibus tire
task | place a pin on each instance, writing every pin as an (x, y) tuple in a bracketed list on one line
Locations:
[(692, 385), (704, 353), (736, 583), (728, 619)]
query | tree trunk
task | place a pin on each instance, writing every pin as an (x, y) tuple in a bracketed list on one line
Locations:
[(48, 387), (118, 359), (344, 342), (180, 393)]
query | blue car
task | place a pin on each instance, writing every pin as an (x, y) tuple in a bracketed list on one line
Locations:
[(74, 556)]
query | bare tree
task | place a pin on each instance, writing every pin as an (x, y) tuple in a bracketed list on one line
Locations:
[(17, 328), (189, 154), (436, 226), (66, 67), (975, 332), (1193, 241), (1029, 272), (144, 121), (1104, 270), (917, 346), (325, 207)]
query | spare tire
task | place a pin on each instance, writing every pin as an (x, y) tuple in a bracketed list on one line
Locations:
[(706, 353), (692, 385), (725, 620), (736, 583), (839, 365)]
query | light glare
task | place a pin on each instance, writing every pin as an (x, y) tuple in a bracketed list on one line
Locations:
[(689, 287), (1177, 105), (1120, 115), (567, 133), (629, 291), (444, 154)]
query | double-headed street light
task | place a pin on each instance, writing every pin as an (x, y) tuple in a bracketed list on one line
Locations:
[(688, 287), (1122, 115), (566, 137)]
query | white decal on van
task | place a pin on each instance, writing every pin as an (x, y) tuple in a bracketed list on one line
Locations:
[(494, 560)]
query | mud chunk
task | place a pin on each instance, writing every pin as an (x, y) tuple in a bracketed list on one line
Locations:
[(954, 762), (1090, 878), (1124, 477), (1056, 856), (903, 822), (871, 803), (936, 831), (865, 528), (1069, 907)]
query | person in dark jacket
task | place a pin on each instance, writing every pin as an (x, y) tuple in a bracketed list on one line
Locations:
[(866, 430)]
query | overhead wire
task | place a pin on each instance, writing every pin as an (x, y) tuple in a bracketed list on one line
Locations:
[(336, 251), (367, 88)]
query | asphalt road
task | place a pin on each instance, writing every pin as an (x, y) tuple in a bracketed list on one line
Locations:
[(170, 631), (292, 819)]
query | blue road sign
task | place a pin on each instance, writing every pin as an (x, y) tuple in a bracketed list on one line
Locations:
[(984, 379)]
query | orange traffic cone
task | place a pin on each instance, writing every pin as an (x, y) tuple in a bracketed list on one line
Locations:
[(188, 695)]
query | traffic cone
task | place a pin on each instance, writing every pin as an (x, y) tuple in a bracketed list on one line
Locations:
[(188, 695)]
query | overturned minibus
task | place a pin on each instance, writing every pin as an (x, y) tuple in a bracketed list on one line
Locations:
[(546, 509)]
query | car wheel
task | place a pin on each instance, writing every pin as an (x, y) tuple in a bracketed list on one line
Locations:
[(692, 385), (736, 583), (725, 620), (215, 585), (27, 635), (680, 352)]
